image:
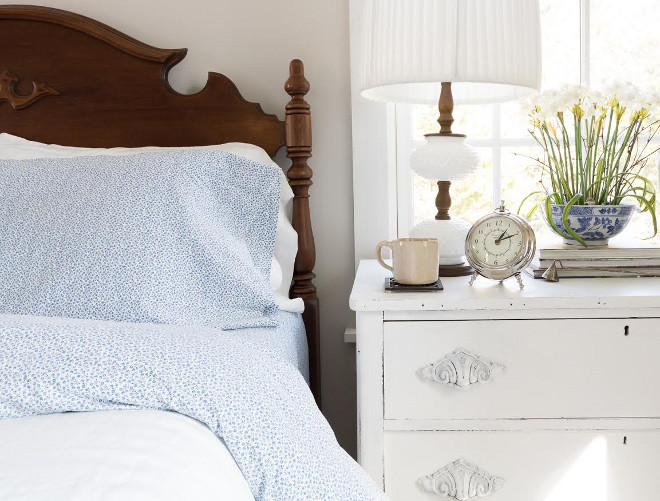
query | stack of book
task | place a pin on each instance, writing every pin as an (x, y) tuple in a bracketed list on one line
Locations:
[(618, 259)]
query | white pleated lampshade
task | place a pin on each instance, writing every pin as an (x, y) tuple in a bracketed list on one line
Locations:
[(490, 50)]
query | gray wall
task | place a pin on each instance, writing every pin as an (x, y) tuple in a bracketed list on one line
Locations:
[(252, 42)]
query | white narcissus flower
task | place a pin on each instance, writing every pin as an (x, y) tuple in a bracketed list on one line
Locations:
[(546, 105), (654, 106), (654, 98), (596, 98), (591, 110), (549, 103), (554, 102), (592, 103), (628, 95), (574, 93)]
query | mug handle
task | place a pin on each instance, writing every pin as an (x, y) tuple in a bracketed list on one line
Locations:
[(379, 257)]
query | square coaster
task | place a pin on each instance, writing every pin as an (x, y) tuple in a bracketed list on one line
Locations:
[(394, 286)]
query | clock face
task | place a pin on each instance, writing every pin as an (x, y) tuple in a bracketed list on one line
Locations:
[(496, 241), (500, 245)]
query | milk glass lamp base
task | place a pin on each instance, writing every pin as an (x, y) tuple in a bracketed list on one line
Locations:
[(450, 234)]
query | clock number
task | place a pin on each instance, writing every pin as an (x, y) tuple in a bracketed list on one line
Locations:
[(476, 240)]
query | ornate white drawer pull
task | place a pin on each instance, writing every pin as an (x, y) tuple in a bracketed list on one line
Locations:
[(460, 369), (461, 480)]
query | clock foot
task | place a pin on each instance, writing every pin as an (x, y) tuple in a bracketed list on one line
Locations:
[(520, 281), (473, 278)]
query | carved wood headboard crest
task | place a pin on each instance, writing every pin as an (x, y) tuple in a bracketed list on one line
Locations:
[(17, 101)]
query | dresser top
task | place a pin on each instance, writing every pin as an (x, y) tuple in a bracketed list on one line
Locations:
[(569, 293)]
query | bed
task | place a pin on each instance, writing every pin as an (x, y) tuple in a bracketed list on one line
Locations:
[(73, 83), (76, 82)]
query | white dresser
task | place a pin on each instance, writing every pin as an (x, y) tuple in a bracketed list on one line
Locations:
[(551, 393)]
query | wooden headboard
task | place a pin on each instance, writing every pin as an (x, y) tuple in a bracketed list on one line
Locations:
[(70, 80)]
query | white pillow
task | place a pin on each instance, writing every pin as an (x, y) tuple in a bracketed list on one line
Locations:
[(286, 240)]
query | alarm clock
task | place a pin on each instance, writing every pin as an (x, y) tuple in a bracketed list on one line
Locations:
[(500, 245)]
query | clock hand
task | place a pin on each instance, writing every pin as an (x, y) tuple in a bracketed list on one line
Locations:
[(510, 236), (501, 236)]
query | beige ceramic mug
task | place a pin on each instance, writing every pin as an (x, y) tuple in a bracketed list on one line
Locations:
[(415, 260)]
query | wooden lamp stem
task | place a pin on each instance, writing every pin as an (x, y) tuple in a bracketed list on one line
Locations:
[(446, 108), (443, 201)]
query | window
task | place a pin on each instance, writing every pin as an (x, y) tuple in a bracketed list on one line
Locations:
[(587, 41)]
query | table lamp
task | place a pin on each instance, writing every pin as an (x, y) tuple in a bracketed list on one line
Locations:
[(449, 51)]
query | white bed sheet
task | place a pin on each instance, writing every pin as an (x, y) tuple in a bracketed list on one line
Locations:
[(116, 455)]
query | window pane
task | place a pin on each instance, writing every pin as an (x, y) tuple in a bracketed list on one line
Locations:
[(470, 197), (560, 39), (514, 120), (521, 175), (625, 48), (624, 42)]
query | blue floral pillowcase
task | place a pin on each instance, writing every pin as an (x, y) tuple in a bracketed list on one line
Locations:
[(181, 237)]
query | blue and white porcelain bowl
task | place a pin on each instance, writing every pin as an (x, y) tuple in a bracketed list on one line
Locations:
[(596, 224)]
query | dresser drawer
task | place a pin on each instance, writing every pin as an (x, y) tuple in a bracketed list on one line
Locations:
[(521, 369), (522, 466)]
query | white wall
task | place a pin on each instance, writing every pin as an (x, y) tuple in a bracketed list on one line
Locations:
[(252, 42)]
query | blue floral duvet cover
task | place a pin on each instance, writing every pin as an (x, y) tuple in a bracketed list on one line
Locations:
[(255, 400)]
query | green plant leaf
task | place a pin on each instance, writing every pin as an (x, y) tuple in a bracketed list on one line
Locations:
[(529, 213), (564, 219), (548, 216), (649, 207)]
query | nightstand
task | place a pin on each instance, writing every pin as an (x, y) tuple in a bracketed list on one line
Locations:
[(544, 394)]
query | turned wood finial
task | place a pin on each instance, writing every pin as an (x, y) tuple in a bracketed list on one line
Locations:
[(299, 150), (443, 201), (297, 85), (446, 108)]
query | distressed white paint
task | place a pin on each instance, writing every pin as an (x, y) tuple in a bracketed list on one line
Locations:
[(581, 373), (536, 424), (369, 354), (537, 466), (538, 298), (554, 368)]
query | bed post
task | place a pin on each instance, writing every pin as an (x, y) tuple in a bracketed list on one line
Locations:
[(298, 125)]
